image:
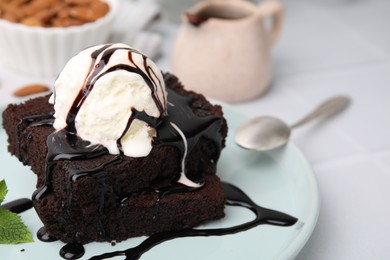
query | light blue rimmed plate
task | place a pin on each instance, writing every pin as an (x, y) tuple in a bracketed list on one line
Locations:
[(281, 180)]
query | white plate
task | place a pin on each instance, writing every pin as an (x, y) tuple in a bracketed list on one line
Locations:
[(281, 180)]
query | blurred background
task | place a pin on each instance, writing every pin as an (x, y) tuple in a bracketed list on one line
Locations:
[(326, 47)]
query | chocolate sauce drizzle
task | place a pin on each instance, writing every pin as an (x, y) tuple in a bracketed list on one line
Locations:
[(69, 251), (44, 236), (33, 121), (72, 251), (66, 145), (97, 70), (234, 197)]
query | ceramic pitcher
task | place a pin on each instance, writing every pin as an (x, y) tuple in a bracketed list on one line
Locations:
[(223, 48)]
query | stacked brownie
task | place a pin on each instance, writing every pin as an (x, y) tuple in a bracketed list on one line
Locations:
[(108, 197)]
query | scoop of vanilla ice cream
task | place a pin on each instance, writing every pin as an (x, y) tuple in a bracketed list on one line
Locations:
[(101, 87)]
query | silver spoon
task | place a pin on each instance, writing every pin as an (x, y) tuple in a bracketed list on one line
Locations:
[(266, 133)]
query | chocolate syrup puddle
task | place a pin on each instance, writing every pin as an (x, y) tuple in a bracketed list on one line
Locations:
[(69, 251), (235, 197), (18, 206), (72, 251), (44, 236)]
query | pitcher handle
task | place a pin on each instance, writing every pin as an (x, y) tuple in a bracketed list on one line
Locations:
[(273, 9)]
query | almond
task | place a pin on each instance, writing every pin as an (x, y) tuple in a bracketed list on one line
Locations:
[(30, 90), (32, 21), (83, 13), (10, 17), (63, 13), (100, 8)]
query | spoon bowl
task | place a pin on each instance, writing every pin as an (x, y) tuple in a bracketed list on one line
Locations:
[(262, 133), (265, 133)]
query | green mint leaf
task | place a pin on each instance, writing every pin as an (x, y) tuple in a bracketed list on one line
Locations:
[(3, 190), (12, 229)]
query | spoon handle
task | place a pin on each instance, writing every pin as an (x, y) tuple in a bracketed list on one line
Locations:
[(328, 108)]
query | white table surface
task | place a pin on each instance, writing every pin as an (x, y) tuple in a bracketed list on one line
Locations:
[(326, 48)]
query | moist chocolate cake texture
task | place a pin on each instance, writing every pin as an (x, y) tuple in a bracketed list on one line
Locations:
[(96, 196)]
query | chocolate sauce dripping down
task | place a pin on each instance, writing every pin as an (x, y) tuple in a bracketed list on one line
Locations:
[(70, 120), (44, 236), (96, 72), (99, 174), (66, 145), (72, 251), (149, 81), (235, 197), (68, 251), (153, 86), (193, 127), (43, 119), (63, 145)]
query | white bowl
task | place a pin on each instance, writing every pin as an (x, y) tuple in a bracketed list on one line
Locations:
[(39, 51)]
